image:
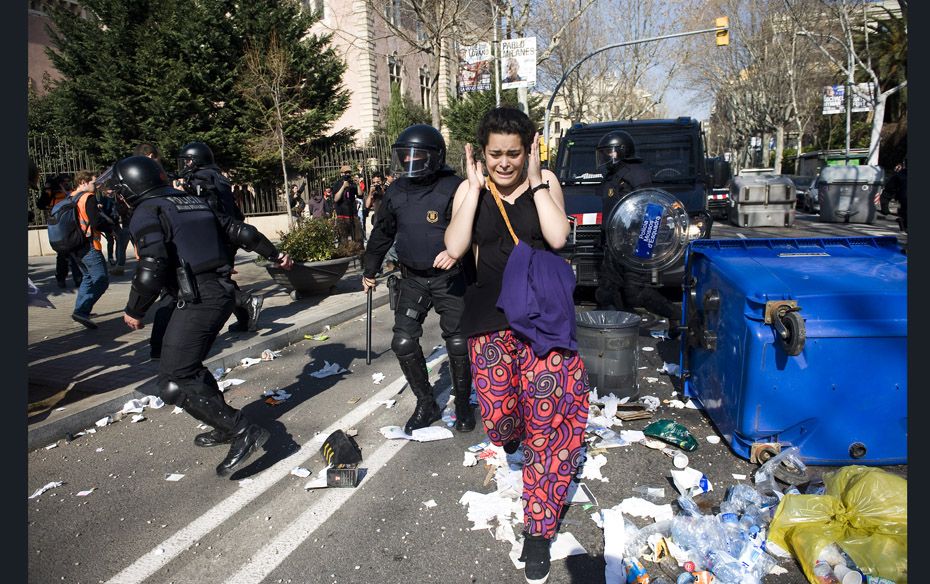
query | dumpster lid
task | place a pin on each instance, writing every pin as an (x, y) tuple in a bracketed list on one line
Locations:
[(607, 319), (854, 174), (647, 230)]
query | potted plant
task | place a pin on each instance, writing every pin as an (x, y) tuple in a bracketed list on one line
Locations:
[(319, 262)]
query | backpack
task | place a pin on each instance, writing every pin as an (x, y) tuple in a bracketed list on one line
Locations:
[(64, 226)]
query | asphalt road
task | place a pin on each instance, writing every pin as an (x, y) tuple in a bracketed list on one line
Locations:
[(262, 525)]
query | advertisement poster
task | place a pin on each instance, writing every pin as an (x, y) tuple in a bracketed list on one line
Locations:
[(475, 66), (834, 98), (518, 63)]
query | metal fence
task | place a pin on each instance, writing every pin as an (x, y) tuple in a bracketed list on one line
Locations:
[(373, 157), (53, 156)]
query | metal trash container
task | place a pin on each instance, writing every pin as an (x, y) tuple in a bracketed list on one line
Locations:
[(762, 200), (847, 193), (800, 342), (608, 342)]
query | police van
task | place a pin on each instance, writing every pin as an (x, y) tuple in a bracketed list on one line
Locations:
[(674, 152)]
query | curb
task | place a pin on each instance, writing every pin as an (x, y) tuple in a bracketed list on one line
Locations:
[(93, 408)]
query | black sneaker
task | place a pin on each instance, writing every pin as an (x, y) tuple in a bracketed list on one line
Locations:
[(535, 557), (83, 320)]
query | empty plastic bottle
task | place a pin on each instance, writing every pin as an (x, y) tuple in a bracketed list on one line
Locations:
[(756, 560), (729, 570), (688, 506), (823, 573), (733, 531)]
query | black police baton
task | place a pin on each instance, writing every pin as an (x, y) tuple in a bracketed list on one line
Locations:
[(368, 330)]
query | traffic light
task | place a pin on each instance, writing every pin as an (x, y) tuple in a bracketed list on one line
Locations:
[(543, 149), (723, 36)]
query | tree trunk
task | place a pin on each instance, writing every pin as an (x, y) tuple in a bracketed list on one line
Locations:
[(779, 146), (434, 90), (878, 119), (287, 188), (766, 137)]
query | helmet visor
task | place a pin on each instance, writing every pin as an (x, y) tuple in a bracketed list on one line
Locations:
[(608, 155), (412, 161)]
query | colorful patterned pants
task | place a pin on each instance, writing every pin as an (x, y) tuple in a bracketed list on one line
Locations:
[(544, 401)]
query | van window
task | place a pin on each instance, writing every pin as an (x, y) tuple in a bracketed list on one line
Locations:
[(670, 154)]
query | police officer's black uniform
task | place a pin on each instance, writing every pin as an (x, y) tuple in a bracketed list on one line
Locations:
[(174, 230), (414, 214), (202, 177), (619, 287)]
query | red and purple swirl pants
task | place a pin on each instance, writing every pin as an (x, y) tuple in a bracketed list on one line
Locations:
[(544, 400)]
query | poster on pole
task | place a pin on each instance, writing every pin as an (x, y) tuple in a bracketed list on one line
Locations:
[(475, 67), (518, 63), (834, 98)]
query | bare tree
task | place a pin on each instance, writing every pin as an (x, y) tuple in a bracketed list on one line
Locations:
[(855, 23)]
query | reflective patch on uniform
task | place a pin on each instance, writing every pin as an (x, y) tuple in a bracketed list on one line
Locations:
[(189, 203), (432, 216), (610, 192)]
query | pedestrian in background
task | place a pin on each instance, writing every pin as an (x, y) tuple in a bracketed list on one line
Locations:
[(54, 191), (95, 279), (345, 192)]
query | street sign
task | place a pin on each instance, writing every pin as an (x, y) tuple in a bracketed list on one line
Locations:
[(518, 63)]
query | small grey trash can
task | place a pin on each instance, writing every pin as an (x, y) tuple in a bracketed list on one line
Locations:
[(608, 342)]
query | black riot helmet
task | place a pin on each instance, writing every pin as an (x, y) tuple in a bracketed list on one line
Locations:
[(193, 156), (137, 176), (419, 151), (613, 149)]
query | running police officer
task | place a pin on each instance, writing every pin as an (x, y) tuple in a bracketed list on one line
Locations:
[(620, 287), (414, 214), (182, 246), (202, 177)]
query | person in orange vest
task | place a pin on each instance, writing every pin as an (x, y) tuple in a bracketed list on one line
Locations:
[(89, 257)]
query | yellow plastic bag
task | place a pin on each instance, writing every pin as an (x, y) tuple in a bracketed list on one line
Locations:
[(863, 510)]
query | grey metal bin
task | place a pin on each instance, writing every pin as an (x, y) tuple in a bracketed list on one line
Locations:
[(847, 193), (763, 200), (608, 342)]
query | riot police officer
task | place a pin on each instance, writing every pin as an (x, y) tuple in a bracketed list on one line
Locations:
[(182, 247), (619, 287), (414, 214), (202, 177)]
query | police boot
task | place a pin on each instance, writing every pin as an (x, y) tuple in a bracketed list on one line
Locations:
[(246, 439), (461, 389), (213, 411), (426, 411)]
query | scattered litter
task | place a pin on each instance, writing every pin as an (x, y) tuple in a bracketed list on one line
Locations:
[(299, 471), (249, 361), (580, 494), (158, 551), (691, 405), (642, 508), (471, 459), (133, 406), (388, 403), (713, 439), (563, 545), (136, 418), (59, 409), (690, 481), (680, 461), (269, 355), (632, 435), (354, 400), (479, 447), (671, 432), (650, 402), (227, 383), (318, 482), (50, 446), (671, 368), (739, 477), (91, 430), (48, 486), (102, 422), (87, 492), (629, 416), (328, 369), (275, 395), (352, 432), (219, 372), (651, 494), (592, 468), (648, 349), (174, 477), (676, 403), (651, 379), (272, 401), (99, 450), (427, 434), (429, 504), (377, 378), (319, 337), (659, 334), (177, 410)]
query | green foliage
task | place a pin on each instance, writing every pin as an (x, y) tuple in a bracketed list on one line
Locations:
[(165, 71), (401, 113), (310, 240), (464, 113)]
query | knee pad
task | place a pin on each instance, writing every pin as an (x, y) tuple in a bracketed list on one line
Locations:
[(171, 393), (404, 346), (457, 346)]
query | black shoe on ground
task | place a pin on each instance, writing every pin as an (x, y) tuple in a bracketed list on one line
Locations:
[(83, 320), (535, 556), (214, 437), (244, 444), (511, 446), (464, 416), (254, 307), (425, 413)]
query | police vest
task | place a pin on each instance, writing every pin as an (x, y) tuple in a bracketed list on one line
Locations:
[(189, 227), (215, 188), (628, 178), (422, 212)]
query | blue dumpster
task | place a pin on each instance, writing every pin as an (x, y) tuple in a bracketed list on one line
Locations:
[(800, 342)]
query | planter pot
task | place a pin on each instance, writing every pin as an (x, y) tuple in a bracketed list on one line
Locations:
[(309, 278)]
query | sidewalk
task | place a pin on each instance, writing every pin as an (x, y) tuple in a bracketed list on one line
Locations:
[(92, 373)]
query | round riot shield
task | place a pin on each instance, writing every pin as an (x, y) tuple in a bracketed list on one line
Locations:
[(647, 230)]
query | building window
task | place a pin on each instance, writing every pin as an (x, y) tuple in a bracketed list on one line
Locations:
[(558, 127), (394, 71), (555, 110), (392, 12), (421, 34), (424, 87)]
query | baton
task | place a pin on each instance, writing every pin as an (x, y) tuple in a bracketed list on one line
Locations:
[(368, 330)]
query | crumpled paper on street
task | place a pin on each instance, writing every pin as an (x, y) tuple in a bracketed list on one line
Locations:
[(249, 361), (377, 378), (47, 486), (328, 369), (486, 509), (592, 468), (650, 402), (638, 507), (632, 435), (609, 401), (691, 481), (136, 406), (227, 383), (428, 434), (671, 368), (563, 545), (269, 355), (611, 520)]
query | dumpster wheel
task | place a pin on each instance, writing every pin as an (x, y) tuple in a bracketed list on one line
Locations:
[(794, 342), (790, 474)]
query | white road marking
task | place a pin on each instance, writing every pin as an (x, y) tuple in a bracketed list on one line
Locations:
[(222, 511), (741, 236), (261, 564)]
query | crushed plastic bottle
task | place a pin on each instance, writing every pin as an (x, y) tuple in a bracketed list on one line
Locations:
[(740, 496), (790, 456), (823, 573), (729, 570), (652, 494), (756, 560), (688, 506)]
